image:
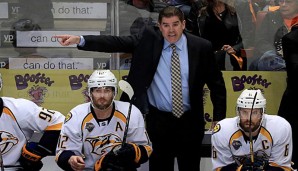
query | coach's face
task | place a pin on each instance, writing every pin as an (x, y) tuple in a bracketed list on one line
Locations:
[(171, 28)]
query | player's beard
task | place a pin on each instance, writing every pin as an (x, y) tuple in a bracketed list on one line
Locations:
[(102, 103), (246, 128)]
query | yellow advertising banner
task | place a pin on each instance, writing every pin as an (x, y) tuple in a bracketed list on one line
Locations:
[(64, 89)]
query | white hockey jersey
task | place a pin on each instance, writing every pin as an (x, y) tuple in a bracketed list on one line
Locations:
[(82, 134), (19, 119), (274, 143)]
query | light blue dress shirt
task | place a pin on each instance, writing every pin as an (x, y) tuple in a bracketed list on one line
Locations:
[(160, 91)]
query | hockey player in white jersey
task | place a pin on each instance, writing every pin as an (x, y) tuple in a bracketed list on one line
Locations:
[(253, 140), (19, 119), (92, 134)]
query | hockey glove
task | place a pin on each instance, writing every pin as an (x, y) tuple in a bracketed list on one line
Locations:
[(108, 162), (122, 157), (258, 165), (32, 153), (128, 154)]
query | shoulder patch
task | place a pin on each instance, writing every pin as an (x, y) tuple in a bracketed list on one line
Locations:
[(68, 117), (216, 128)]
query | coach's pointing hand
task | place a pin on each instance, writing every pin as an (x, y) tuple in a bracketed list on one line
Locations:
[(66, 40)]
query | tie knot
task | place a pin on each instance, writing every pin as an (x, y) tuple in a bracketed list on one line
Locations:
[(173, 46)]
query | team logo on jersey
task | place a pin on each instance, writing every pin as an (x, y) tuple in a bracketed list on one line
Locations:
[(7, 141), (216, 128), (89, 126), (68, 117), (236, 144), (102, 144), (37, 94)]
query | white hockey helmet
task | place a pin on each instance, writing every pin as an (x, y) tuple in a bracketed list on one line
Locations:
[(246, 99), (102, 78)]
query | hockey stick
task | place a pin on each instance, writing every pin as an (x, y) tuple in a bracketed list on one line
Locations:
[(126, 87), (250, 136)]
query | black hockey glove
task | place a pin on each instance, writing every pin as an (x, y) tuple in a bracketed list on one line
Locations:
[(129, 155), (32, 153), (121, 158), (108, 162), (258, 165)]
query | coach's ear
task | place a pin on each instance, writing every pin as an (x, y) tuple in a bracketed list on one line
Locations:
[(32, 153)]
